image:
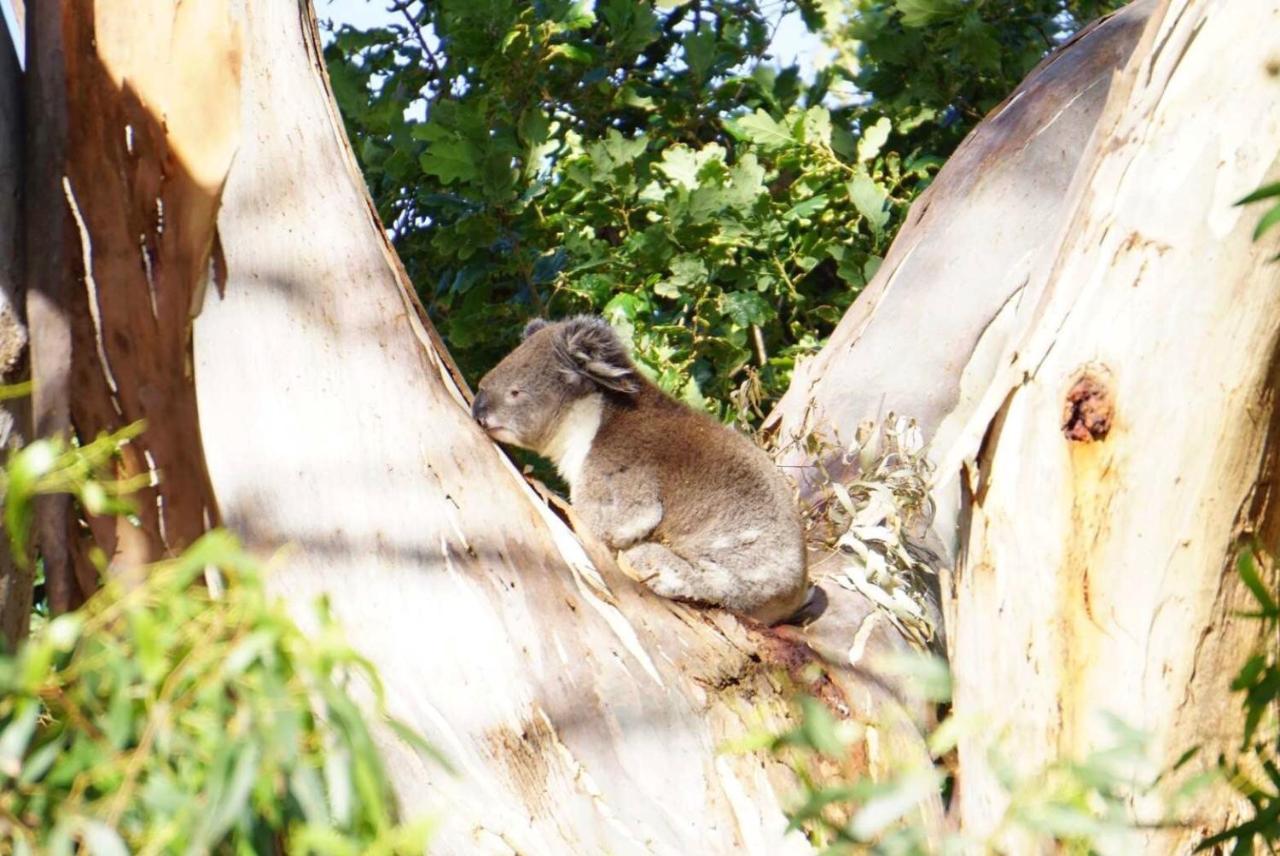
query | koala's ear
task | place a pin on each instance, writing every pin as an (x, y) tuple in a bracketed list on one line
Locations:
[(592, 351), (532, 327)]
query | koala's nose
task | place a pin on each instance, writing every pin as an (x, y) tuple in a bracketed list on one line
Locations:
[(480, 406)]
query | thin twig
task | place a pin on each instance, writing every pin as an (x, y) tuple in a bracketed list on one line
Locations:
[(758, 338), (403, 9)]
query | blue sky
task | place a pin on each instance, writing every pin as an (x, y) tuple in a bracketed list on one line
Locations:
[(791, 43)]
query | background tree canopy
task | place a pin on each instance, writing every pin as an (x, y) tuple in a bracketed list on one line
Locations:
[(649, 161)]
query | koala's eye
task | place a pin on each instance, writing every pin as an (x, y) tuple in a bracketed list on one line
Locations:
[(513, 393)]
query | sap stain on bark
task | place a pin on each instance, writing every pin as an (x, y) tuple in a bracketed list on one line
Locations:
[(1089, 409)]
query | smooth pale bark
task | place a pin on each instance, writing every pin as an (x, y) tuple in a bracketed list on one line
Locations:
[(15, 579), (1086, 230), (584, 714), (940, 303), (1098, 568)]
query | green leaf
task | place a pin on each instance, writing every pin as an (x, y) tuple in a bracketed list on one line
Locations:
[(1268, 220), (763, 130), (305, 786), (1264, 192), (873, 139), (337, 777), (819, 728), (573, 53), (817, 126), (918, 13), (700, 52), (687, 272), (746, 308), (871, 201), (534, 127), (746, 182), (893, 802), (451, 160), (632, 25), (680, 164), (622, 308), (807, 208), (1248, 571), (39, 762), (925, 674), (872, 266), (615, 152), (63, 632), (15, 390)]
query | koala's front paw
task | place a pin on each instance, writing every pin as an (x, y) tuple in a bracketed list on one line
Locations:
[(665, 573), (667, 582)]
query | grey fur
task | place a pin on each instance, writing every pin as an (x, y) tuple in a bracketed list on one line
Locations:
[(697, 509), (532, 327)]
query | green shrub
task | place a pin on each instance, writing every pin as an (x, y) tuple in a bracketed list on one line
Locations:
[(160, 718), (649, 161), (1255, 772), (181, 709)]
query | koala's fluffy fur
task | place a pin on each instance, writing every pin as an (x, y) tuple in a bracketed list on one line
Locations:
[(697, 509)]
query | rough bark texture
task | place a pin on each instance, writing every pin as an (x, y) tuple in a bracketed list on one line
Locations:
[(15, 580), (46, 222), (583, 714), (126, 202), (1129, 436)]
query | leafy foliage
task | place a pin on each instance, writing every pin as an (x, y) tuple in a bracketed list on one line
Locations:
[(162, 718), (1084, 805), (1256, 774), (1272, 215), (936, 67), (55, 466), (171, 716), (1079, 805), (646, 161)]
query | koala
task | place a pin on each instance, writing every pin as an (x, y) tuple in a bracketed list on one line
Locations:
[(697, 509)]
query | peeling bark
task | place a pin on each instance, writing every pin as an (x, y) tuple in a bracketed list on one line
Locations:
[(124, 200)]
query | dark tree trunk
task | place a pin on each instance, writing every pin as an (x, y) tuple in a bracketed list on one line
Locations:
[(15, 414)]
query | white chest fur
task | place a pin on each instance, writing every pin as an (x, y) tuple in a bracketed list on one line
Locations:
[(571, 441)]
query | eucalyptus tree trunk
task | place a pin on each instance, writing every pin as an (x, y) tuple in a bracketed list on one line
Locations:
[(132, 111), (1126, 442), (583, 714), (1093, 352)]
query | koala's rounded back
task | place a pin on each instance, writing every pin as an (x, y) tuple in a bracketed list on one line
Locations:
[(699, 510)]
